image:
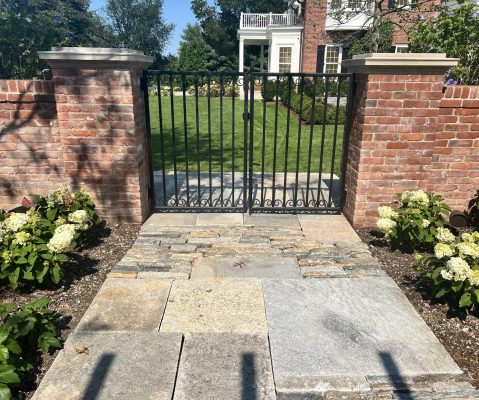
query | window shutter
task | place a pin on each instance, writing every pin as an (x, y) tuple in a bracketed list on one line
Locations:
[(391, 4), (345, 57), (320, 59), (392, 49)]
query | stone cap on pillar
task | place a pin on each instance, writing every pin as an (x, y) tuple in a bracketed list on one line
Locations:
[(96, 58), (400, 63)]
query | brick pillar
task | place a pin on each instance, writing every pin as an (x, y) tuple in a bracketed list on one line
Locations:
[(101, 120), (394, 123)]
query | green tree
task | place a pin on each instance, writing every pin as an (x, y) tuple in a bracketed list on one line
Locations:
[(27, 26), (194, 54), (220, 23), (454, 31), (362, 41), (139, 24)]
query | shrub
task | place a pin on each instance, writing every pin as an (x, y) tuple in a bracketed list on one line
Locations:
[(454, 268), (215, 89), (34, 246), (416, 223), (268, 90), (23, 331)]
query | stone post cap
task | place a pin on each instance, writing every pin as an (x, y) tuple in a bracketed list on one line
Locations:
[(95, 57), (400, 63)]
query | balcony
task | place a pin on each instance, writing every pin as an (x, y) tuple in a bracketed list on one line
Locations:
[(264, 21)]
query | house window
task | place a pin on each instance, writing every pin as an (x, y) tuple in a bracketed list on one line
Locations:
[(401, 48), (332, 59), (285, 59), (335, 4), (355, 4), (401, 3)]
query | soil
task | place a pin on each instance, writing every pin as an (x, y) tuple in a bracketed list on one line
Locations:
[(84, 274), (457, 330)]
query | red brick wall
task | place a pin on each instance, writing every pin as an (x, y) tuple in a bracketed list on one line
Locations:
[(31, 158), (84, 129), (406, 135), (455, 161)]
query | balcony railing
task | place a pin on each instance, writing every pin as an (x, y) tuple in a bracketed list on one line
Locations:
[(263, 21)]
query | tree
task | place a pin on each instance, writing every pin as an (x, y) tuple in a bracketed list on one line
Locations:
[(375, 13), (194, 54), (139, 24), (454, 32), (362, 41), (28, 26), (220, 23)]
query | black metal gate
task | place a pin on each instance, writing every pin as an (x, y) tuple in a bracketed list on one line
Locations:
[(257, 142)]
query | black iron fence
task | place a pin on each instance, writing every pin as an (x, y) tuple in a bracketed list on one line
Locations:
[(227, 141)]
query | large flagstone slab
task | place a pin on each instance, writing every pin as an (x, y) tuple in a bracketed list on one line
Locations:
[(246, 267), (209, 305), (113, 365), (341, 334), (127, 305), (225, 366)]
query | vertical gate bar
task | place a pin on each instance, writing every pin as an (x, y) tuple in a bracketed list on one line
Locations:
[(288, 120), (173, 134), (162, 142), (264, 83), (275, 139), (234, 203), (333, 156), (221, 139), (185, 127), (245, 141), (251, 148), (311, 132), (298, 152), (346, 135), (198, 155), (148, 139), (323, 134), (209, 142)]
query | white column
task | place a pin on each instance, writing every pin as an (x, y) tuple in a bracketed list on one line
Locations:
[(261, 59), (241, 55)]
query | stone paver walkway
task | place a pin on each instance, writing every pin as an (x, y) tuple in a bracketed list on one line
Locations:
[(251, 307)]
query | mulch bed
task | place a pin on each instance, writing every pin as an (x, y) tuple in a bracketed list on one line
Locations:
[(456, 330), (84, 274)]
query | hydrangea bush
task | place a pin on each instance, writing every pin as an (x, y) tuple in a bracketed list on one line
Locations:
[(416, 221), (454, 268), (34, 246)]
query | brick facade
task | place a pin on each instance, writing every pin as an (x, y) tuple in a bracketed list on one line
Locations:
[(86, 128)]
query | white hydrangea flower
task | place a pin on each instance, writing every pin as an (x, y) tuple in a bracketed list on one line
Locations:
[(387, 212), (475, 237), (63, 239), (444, 235), (60, 221), (78, 217), (469, 249), (442, 250), (405, 196), (22, 238), (425, 223), (474, 278), (459, 268), (419, 197), (385, 225), (7, 256), (449, 276), (467, 237), (15, 222)]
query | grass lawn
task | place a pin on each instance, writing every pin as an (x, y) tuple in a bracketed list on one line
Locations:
[(224, 131)]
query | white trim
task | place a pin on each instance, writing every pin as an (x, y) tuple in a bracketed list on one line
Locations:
[(400, 46), (340, 57)]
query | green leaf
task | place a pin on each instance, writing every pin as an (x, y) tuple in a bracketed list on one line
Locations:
[(47, 341), (13, 346), (3, 335), (62, 257), (442, 292), (51, 214), (55, 273), (38, 304), (47, 256), (32, 258), (21, 260), (465, 300), (13, 277), (5, 393), (4, 353), (8, 374)]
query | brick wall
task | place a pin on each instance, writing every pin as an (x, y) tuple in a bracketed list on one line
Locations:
[(409, 133), (31, 158), (87, 129)]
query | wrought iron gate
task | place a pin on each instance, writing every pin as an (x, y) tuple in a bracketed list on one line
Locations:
[(258, 142)]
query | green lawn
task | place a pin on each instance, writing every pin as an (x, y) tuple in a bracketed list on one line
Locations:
[(223, 133)]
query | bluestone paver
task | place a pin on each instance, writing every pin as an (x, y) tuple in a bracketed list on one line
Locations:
[(283, 220), (225, 366), (113, 365), (327, 228), (127, 305), (246, 267), (212, 219), (351, 328), (210, 305)]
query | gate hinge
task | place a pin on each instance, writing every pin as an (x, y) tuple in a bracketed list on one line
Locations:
[(246, 116)]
